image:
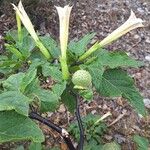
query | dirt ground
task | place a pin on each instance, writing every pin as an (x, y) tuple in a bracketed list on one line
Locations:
[(102, 17)]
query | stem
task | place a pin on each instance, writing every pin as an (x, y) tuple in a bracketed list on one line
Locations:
[(14, 51), (63, 132), (81, 143), (43, 49), (64, 67), (95, 47), (19, 27)]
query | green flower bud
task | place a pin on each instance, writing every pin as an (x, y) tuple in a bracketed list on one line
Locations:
[(82, 79)]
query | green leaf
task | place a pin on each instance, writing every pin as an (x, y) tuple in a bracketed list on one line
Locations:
[(35, 63), (13, 34), (86, 94), (111, 146), (59, 88), (20, 148), (7, 63), (6, 66), (35, 146), (116, 59), (52, 71), (49, 100), (116, 82), (13, 100), (92, 145), (96, 71), (29, 77), (13, 82), (15, 127), (26, 46), (142, 142), (51, 45), (19, 82), (78, 48), (69, 100)]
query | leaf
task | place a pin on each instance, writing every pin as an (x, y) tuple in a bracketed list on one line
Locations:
[(19, 82), (13, 34), (86, 94), (36, 63), (116, 82), (59, 88), (52, 71), (111, 146), (51, 45), (29, 77), (13, 100), (15, 127), (49, 100), (116, 59), (20, 148), (7, 63), (92, 145), (142, 142), (78, 48), (35, 146), (69, 100), (26, 46), (96, 71), (13, 82)]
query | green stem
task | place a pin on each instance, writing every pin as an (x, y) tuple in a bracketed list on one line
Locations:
[(14, 51), (64, 67), (43, 49), (95, 47), (19, 27)]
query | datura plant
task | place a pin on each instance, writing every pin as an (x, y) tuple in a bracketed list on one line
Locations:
[(31, 61)]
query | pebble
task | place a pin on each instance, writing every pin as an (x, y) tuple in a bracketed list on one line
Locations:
[(61, 109), (136, 36), (93, 112), (147, 102), (148, 40), (140, 10), (147, 58), (119, 138)]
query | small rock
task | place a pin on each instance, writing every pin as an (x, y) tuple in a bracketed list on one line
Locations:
[(105, 107), (147, 40), (140, 10), (119, 138), (49, 114), (147, 58), (93, 112), (108, 137), (61, 108), (147, 102), (136, 36)]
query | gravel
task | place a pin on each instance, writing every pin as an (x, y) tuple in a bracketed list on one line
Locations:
[(101, 17)]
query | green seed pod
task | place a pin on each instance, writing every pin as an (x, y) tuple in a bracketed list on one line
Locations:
[(81, 79)]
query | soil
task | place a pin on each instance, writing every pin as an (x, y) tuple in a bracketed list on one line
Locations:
[(101, 17)]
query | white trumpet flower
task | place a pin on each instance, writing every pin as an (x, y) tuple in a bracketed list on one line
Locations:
[(28, 25), (132, 23), (64, 15), (25, 20)]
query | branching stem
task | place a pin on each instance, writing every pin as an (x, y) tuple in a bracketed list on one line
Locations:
[(81, 143), (63, 132)]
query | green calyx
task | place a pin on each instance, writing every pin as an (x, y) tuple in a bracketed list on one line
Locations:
[(82, 79)]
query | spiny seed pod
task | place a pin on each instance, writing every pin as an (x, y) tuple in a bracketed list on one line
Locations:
[(81, 79)]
